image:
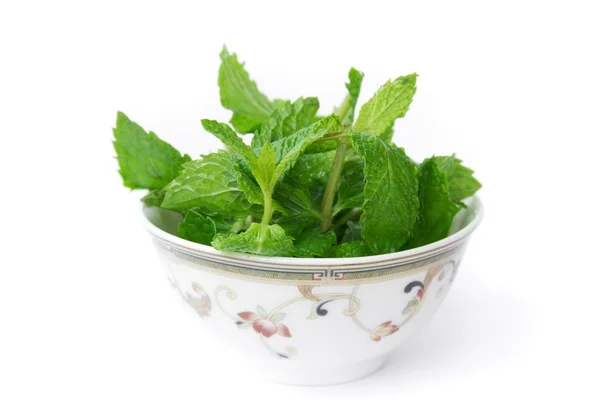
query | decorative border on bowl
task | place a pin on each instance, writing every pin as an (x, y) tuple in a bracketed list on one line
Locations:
[(312, 275)]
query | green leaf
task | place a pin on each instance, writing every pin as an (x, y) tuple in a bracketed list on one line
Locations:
[(212, 185), (240, 94), (353, 232), (350, 191), (321, 147), (296, 199), (388, 134), (145, 161), (353, 249), (461, 183), (286, 120), (301, 206), (232, 141), (154, 198), (245, 124), (294, 224), (289, 149), (266, 167), (391, 202), (266, 240), (200, 228), (346, 110), (277, 317), (263, 168), (312, 169), (389, 103), (313, 243), (253, 193), (261, 311), (437, 209)]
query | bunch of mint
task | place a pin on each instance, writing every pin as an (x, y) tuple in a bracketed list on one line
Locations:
[(307, 185)]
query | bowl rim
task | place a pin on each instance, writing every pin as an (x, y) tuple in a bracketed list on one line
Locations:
[(226, 257)]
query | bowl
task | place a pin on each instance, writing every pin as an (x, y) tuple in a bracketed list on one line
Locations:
[(312, 321)]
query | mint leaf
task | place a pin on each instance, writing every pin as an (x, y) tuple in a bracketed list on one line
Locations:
[(321, 147), (200, 228), (262, 167), (353, 249), (313, 243), (253, 193), (461, 183), (297, 199), (389, 103), (350, 191), (266, 240), (436, 210), (289, 149), (212, 185), (265, 168), (154, 198), (294, 224), (346, 110), (245, 123), (240, 94), (285, 120), (145, 161), (300, 205), (391, 202), (231, 140), (312, 168), (264, 176), (388, 134)]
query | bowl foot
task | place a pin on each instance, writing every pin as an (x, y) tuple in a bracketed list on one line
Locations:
[(304, 375)]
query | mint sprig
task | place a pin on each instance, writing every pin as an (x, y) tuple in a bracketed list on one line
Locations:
[(145, 161), (305, 185)]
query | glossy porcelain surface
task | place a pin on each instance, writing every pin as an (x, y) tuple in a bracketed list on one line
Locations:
[(312, 321)]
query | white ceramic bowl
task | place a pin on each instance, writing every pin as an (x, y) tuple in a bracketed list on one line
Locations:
[(313, 321)]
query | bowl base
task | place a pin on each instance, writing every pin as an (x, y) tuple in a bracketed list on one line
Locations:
[(319, 376)]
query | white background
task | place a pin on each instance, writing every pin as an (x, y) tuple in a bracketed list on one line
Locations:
[(512, 87)]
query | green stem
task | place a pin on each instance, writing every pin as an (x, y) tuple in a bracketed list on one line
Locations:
[(268, 208), (349, 216), (241, 225), (266, 219), (237, 226), (332, 183)]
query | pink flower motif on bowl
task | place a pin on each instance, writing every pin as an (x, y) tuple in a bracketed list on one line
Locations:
[(385, 329), (264, 325)]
